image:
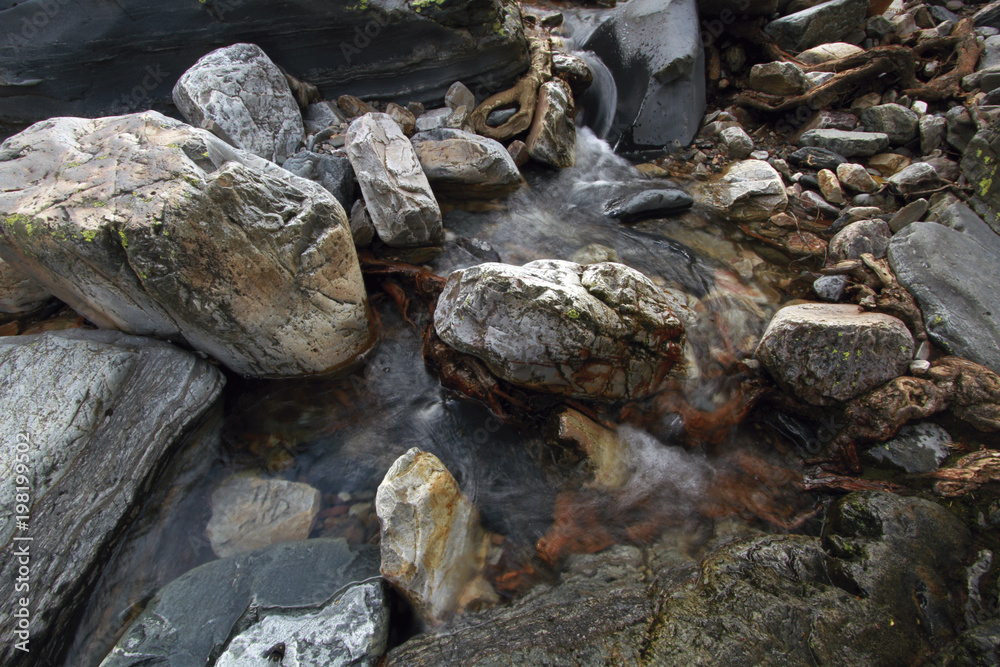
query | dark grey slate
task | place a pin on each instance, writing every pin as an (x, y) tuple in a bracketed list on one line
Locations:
[(824, 23), (334, 173)]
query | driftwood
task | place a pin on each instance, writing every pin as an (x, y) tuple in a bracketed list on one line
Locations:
[(523, 95), (972, 471)]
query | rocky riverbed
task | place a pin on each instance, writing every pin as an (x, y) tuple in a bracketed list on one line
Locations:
[(495, 333)]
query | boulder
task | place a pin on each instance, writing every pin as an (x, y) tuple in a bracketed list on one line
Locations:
[(246, 95), (459, 95), (918, 177), (858, 238), (894, 120), (750, 190), (334, 173), (738, 143), (144, 224), (848, 144), (96, 415), (397, 194), (779, 78), (827, 353), (856, 177), (826, 22), (464, 165), (654, 51), (249, 512), (551, 139), (951, 275), (602, 331), (979, 164), (83, 58), (18, 293), (434, 548), (203, 612)]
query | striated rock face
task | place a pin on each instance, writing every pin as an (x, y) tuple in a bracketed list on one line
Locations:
[(249, 513), (824, 353), (147, 225), (18, 293), (602, 331), (241, 90), (396, 191), (433, 546), (552, 136), (751, 190), (465, 165), (95, 414)]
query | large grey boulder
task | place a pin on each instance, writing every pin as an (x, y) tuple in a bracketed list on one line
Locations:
[(602, 331), (952, 275), (18, 293), (825, 22), (750, 190), (85, 58), (824, 353), (464, 165), (246, 95), (88, 419), (144, 224), (231, 603), (979, 164), (893, 120), (397, 194), (654, 51)]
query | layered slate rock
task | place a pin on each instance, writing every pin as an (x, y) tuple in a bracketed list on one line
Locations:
[(552, 137), (750, 190), (85, 59), (602, 331), (654, 51), (848, 144), (18, 293), (397, 194), (72, 399), (979, 164), (250, 513), (465, 165), (825, 353), (825, 22), (434, 548), (246, 95), (952, 275), (885, 583), (192, 619), (144, 224)]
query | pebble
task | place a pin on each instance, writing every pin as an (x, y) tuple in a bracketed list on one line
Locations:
[(830, 187), (738, 143), (910, 213)]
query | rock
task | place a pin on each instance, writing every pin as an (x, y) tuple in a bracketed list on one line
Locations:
[(950, 274), (827, 353), (333, 173), (830, 187), (362, 229), (826, 52), (144, 224), (18, 293), (893, 120), (811, 204), (433, 119), (988, 15), (918, 177), (321, 115), (750, 190), (991, 53), (459, 96), (817, 158), (574, 70), (830, 288), (249, 513), (350, 629), (826, 22), (499, 117), (518, 152), (918, 448), (552, 137), (397, 194), (648, 204), (464, 165), (738, 7), (404, 118), (602, 332), (819, 78), (848, 144), (239, 88), (979, 164), (888, 164), (353, 106), (377, 49), (193, 618), (945, 168), (856, 178), (779, 78), (600, 447), (738, 143), (857, 238), (654, 51), (932, 133), (961, 128), (910, 213), (89, 411), (827, 120), (433, 546)]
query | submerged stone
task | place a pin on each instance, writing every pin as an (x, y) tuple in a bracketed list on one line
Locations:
[(917, 448), (648, 204)]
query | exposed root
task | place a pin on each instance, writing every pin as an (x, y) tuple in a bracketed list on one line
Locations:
[(523, 95), (967, 52)]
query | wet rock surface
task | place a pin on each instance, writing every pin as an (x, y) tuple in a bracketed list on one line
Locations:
[(465, 165), (750, 190), (552, 137), (825, 22), (823, 353), (73, 398), (190, 621), (602, 331), (648, 203), (180, 235), (917, 448), (848, 144)]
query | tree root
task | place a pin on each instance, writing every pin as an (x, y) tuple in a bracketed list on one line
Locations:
[(523, 95), (967, 52)]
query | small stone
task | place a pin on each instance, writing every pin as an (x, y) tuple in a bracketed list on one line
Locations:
[(433, 119), (830, 288), (459, 95), (779, 78), (888, 164), (932, 133), (830, 187), (352, 106), (858, 238), (894, 120), (817, 158), (764, 155), (919, 367), (519, 152), (648, 203), (819, 78), (910, 213), (362, 228), (918, 177), (848, 144), (321, 115), (919, 107), (954, 5), (407, 121), (499, 117), (961, 128), (866, 101), (827, 52), (738, 142), (856, 177), (573, 70), (750, 190)]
